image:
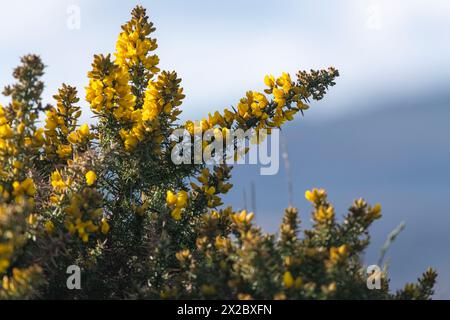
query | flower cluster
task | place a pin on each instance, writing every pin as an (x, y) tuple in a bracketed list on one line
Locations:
[(324, 212), (109, 93), (162, 97), (234, 259), (257, 111), (22, 283), (134, 45), (16, 281), (213, 184), (242, 218), (15, 185), (78, 203)]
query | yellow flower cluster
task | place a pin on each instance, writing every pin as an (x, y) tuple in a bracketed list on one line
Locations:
[(59, 185), (315, 196), (324, 214), (49, 226), (83, 209), (134, 44), (13, 224), (375, 212), (368, 213), (79, 135), (6, 131), (242, 217), (253, 105), (284, 91), (256, 111), (183, 255), (136, 134), (24, 190), (162, 98), (13, 139), (109, 92), (14, 185), (6, 250), (85, 221), (91, 177), (136, 110), (19, 140), (289, 281), (324, 211), (19, 284), (6, 241), (213, 184), (177, 202), (338, 254)]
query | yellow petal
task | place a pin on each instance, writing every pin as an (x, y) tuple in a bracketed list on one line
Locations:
[(91, 177)]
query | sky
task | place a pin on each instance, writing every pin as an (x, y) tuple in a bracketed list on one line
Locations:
[(382, 132), (222, 49)]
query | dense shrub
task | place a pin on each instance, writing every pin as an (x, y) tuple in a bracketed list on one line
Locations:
[(109, 199)]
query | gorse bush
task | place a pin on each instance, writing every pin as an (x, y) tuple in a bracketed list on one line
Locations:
[(109, 199)]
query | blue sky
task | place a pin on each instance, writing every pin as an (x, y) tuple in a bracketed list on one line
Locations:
[(382, 132)]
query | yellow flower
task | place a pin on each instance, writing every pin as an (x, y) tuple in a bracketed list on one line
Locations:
[(375, 213), (269, 81), (288, 280), (57, 181), (17, 164), (243, 217), (85, 237), (39, 136), (105, 226), (64, 151), (73, 138), (91, 177), (182, 199), (337, 254), (315, 196), (84, 130), (28, 187), (21, 128), (298, 282), (171, 198), (4, 264), (176, 214), (210, 190), (130, 141), (285, 82), (32, 218), (50, 122), (182, 255), (324, 214), (6, 131)]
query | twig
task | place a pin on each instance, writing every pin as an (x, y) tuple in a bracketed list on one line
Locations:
[(390, 239)]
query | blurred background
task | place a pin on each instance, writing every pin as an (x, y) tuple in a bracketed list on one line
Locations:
[(382, 133)]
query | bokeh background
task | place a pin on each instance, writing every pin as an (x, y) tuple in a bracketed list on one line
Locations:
[(382, 133)]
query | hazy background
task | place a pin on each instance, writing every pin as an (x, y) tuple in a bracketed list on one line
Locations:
[(382, 133)]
